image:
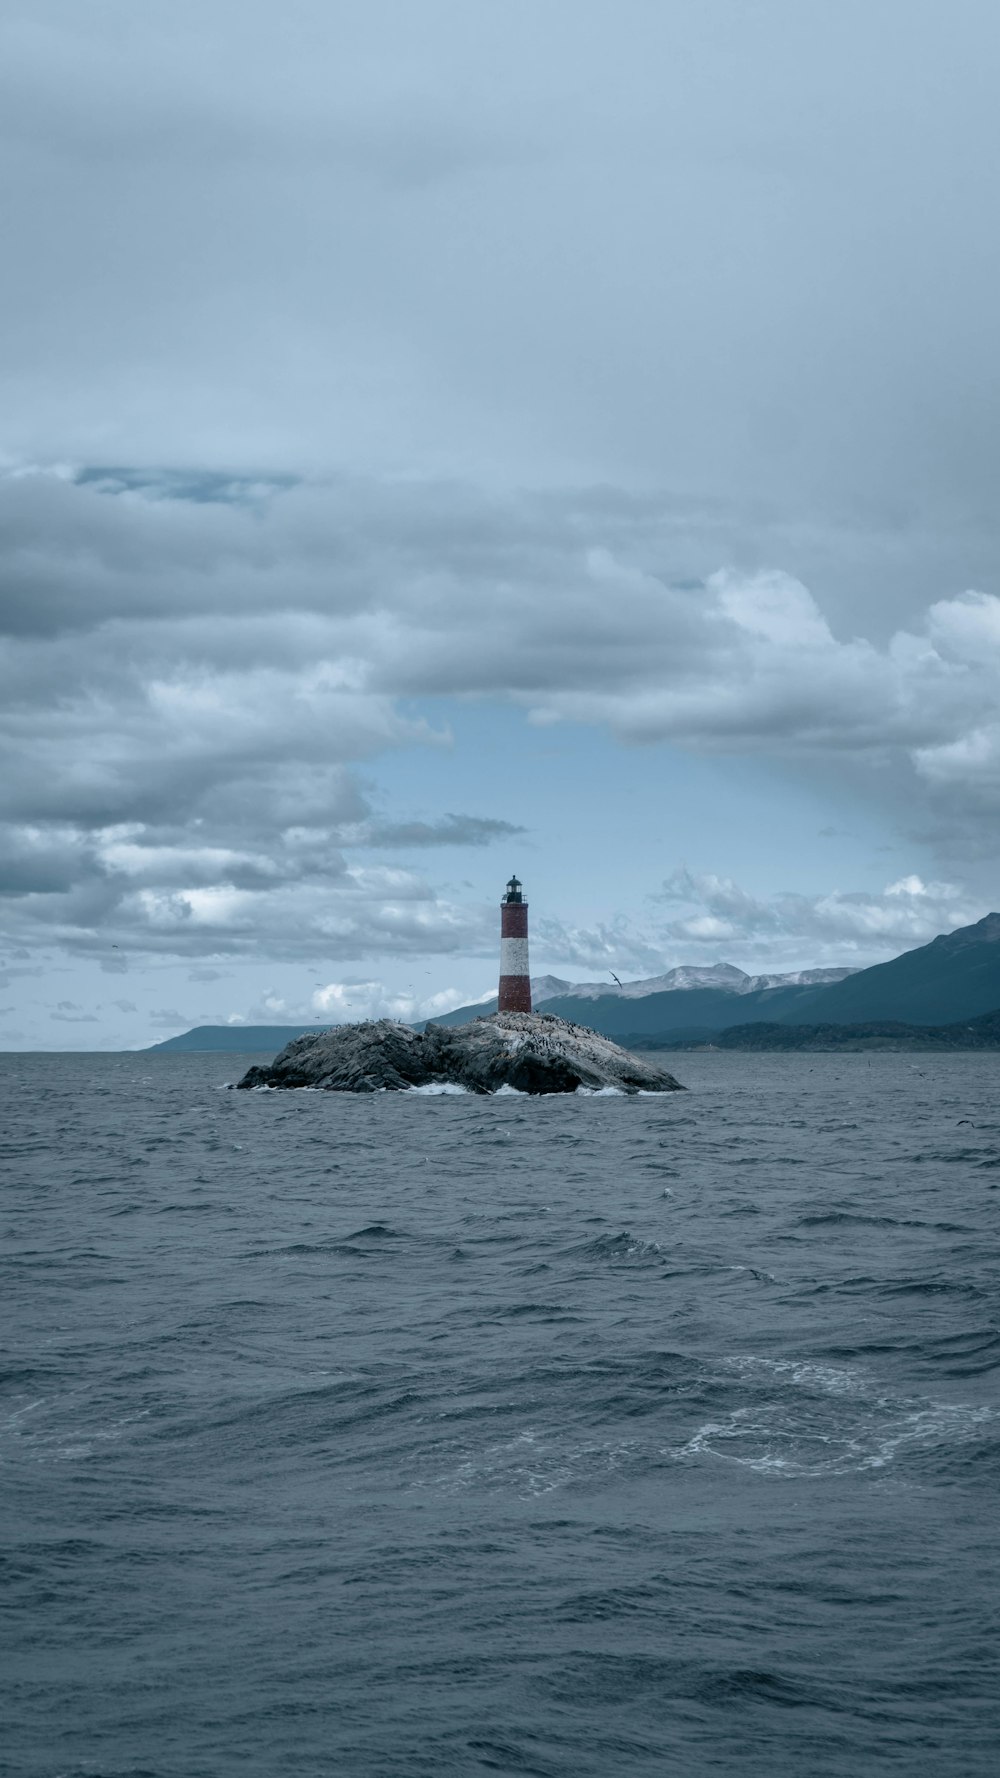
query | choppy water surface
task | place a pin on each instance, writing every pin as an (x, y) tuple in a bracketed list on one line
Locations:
[(442, 1435)]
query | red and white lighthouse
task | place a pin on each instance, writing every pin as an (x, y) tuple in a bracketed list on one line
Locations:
[(515, 982)]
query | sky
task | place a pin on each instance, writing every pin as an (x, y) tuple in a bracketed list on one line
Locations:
[(439, 440)]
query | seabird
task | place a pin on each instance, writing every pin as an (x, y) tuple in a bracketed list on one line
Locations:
[(612, 973)]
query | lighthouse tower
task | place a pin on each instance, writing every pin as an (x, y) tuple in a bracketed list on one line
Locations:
[(515, 983)]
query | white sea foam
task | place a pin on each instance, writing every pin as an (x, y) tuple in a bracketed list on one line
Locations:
[(826, 1378), (49, 1440), (784, 1433), (529, 1464), (778, 1444)]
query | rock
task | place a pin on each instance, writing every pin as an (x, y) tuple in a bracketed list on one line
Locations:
[(530, 1052), (348, 1059), (538, 1053)]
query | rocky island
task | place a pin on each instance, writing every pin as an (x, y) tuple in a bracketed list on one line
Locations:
[(527, 1052)]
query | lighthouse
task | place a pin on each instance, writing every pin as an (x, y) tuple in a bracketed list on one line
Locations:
[(515, 983)]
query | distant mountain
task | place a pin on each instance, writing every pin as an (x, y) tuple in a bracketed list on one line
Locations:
[(955, 977), (680, 1009), (688, 975), (543, 987), (240, 1040), (799, 978), (972, 1034), (550, 994)]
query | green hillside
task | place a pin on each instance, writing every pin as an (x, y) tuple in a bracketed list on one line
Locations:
[(708, 1009), (884, 1034), (955, 977)]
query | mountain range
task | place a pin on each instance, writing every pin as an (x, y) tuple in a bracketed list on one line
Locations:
[(955, 977), (724, 976), (952, 980)]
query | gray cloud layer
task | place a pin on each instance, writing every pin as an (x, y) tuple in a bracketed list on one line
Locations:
[(190, 686), (726, 248), (634, 364)]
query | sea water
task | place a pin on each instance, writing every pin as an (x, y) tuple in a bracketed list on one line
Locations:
[(431, 1434)]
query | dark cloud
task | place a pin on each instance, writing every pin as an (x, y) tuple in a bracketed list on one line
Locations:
[(190, 782), (210, 487), (451, 830), (30, 865), (722, 248)]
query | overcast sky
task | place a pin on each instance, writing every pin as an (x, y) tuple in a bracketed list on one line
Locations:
[(442, 437)]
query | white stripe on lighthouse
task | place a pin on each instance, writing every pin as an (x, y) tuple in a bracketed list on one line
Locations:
[(513, 956)]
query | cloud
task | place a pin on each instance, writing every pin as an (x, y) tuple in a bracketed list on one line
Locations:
[(749, 661), (617, 944), (340, 1003), (715, 915), (387, 592), (190, 687), (95, 112), (15, 972), (166, 1018), (345, 1001), (464, 235), (450, 830)]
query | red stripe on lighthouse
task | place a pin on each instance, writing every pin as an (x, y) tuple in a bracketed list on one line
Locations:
[(514, 919), (515, 980)]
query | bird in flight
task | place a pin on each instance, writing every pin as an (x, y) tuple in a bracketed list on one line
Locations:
[(614, 977)]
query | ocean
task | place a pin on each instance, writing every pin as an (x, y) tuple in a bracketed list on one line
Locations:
[(429, 1434)]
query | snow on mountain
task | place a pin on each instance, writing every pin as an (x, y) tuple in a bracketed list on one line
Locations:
[(689, 975), (799, 978), (686, 975), (546, 987)]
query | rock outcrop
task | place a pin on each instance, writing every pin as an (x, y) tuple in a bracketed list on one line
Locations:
[(529, 1052)]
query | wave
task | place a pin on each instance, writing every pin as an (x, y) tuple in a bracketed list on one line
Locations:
[(530, 1463), (622, 1249), (848, 1218), (790, 1429)]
